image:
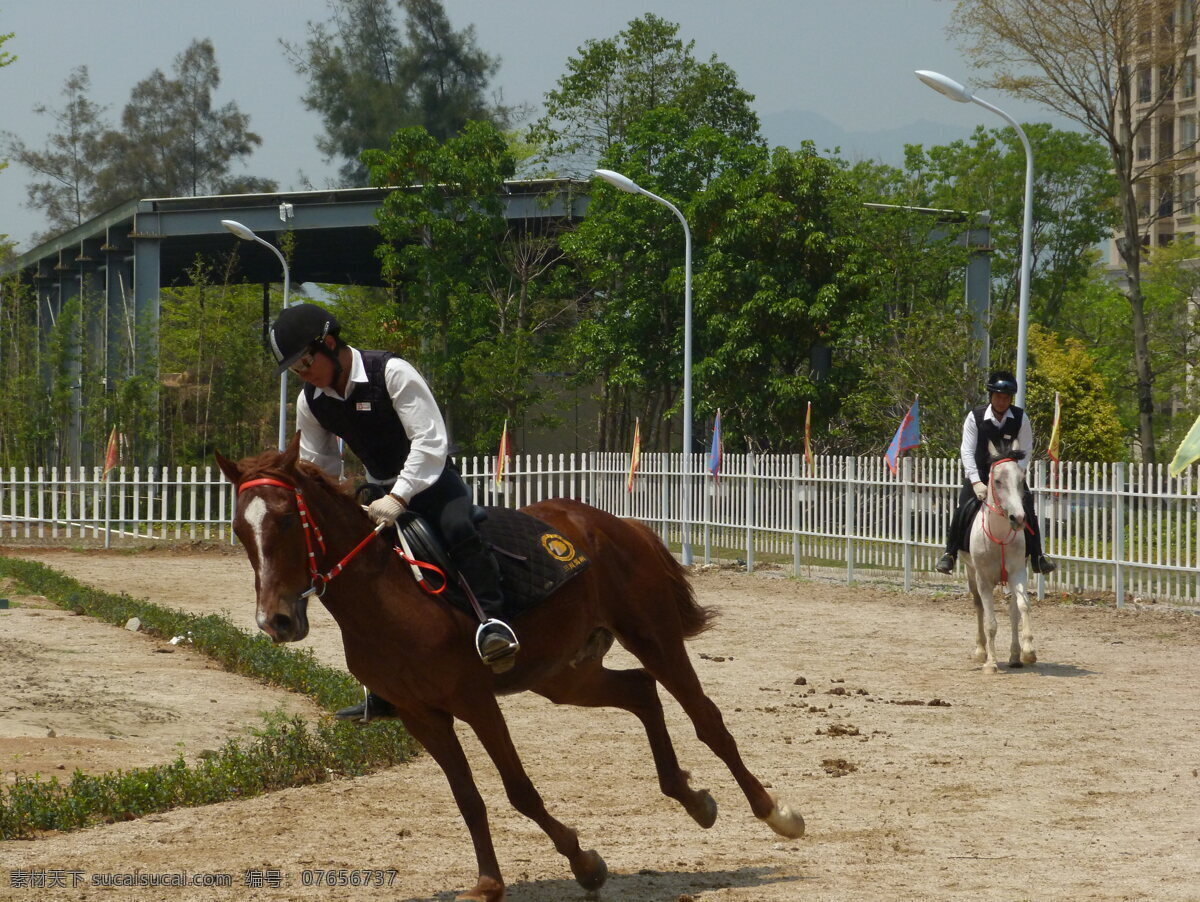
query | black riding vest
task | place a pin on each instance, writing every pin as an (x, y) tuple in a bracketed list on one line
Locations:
[(366, 420), (986, 430)]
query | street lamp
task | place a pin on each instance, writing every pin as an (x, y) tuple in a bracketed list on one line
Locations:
[(955, 91), (248, 235), (630, 186)]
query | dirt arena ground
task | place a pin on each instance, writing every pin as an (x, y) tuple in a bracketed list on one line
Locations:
[(1078, 779)]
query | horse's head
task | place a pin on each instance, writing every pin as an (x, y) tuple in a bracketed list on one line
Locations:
[(1006, 482), (268, 522)]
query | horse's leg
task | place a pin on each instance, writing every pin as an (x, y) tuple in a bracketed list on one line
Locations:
[(1021, 650), (987, 617), (668, 662), (486, 719), (980, 636), (435, 731), (595, 686)]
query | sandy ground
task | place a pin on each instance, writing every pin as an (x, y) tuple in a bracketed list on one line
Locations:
[(1078, 779)]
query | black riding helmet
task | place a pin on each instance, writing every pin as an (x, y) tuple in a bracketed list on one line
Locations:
[(296, 330), (1003, 382)]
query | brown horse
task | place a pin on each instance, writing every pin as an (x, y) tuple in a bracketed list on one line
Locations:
[(417, 651)]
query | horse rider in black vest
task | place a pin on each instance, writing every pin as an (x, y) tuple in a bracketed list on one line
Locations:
[(995, 422), (381, 407)]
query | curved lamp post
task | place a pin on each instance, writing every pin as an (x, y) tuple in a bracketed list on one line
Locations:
[(629, 185), (955, 91), (247, 234)]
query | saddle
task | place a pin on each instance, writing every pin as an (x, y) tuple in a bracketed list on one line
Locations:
[(535, 560)]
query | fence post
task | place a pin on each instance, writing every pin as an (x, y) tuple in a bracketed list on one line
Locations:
[(850, 500), (906, 506), (750, 511), (1119, 532), (797, 469), (1038, 483)]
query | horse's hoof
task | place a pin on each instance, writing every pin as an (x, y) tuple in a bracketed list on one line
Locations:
[(979, 656), (591, 871), (989, 668), (702, 808), (784, 821), (1029, 658), (486, 890), (1015, 665)]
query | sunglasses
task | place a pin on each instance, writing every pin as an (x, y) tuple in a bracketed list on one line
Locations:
[(304, 361)]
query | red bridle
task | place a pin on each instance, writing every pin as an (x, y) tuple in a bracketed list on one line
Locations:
[(311, 531), (995, 508)]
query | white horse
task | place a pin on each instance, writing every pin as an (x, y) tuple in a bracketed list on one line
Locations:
[(996, 554)]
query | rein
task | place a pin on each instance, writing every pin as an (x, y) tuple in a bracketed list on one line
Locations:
[(312, 531)]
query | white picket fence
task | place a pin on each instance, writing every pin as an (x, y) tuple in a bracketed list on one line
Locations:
[(1118, 528)]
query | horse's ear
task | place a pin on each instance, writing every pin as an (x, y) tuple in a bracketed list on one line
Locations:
[(993, 452), (229, 468), (291, 454)]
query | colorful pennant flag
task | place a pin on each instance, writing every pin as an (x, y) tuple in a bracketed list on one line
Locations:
[(112, 454), (1188, 451), (1056, 430), (635, 457), (502, 455), (716, 454), (907, 436), (808, 458)]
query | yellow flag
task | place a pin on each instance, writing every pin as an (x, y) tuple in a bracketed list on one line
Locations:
[(502, 455), (1056, 430), (635, 456), (1189, 450)]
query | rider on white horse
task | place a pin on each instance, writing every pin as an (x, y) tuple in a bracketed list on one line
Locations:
[(996, 422)]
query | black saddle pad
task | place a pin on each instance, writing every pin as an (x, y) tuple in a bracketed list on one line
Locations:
[(967, 514), (535, 560)]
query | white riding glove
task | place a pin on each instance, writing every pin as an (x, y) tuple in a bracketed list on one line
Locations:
[(385, 510), (980, 492)]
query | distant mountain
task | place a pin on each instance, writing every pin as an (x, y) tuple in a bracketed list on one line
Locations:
[(792, 127)]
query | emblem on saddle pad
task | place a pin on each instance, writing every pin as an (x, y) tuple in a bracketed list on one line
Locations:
[(561, 550)]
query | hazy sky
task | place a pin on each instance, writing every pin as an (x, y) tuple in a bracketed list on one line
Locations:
[(850, 61)]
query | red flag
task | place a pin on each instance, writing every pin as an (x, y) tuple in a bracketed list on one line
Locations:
[(112, 455), (635, 457), (808, 439), (908, 435), (502, 454), (716, 454)]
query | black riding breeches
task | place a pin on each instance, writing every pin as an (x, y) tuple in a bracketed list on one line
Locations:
[(446, 506)]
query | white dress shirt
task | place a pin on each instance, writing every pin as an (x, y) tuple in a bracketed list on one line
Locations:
[(971, 435), (419, 415)]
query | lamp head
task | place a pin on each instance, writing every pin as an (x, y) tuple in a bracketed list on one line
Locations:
[(238, 229), (618, 181), (944, 85)]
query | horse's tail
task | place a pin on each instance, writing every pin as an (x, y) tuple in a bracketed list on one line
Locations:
[(694, 618)]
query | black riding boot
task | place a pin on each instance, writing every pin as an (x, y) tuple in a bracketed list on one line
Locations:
[(373, 707), (963, 515), (494, 640)]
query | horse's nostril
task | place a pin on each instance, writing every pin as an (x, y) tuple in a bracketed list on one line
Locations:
[(281, 624)]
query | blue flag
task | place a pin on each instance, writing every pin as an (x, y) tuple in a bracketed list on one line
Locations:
[(907, 436), (717, 452)]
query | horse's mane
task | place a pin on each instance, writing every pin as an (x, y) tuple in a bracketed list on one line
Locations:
[(267, 465)]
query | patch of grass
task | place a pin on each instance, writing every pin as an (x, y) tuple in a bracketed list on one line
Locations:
[(285, 752)]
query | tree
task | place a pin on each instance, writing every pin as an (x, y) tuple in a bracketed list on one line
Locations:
[(1096, 62), (1073, 204), (612, 82), (441, 236), (366, 82), (173, 141), (67, 168), (6, 58)]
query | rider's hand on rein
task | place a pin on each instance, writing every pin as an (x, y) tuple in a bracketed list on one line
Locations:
[(980, 491), (385, 510)]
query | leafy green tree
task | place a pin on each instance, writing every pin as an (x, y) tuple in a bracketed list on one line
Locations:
[(444, 253), (173, 141), (612, 82), (1090, 61), (1074, 205), (66, 169), (6, 59), (1091, 427), (366, 81)]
